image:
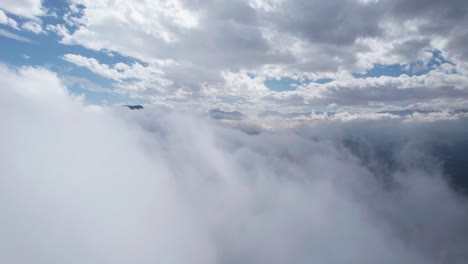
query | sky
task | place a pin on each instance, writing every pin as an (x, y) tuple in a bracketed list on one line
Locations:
[(272, 131), (250, 56)]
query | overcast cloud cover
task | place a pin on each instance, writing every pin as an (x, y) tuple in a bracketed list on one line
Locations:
[(273, 131)]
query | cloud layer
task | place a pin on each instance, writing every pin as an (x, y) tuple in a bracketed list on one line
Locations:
[(102, 185)]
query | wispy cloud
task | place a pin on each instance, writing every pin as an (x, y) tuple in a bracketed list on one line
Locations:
[(8, 34)]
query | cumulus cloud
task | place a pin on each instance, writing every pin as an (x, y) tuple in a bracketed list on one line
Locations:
[(23, 8), (103, 185), (32, 26)]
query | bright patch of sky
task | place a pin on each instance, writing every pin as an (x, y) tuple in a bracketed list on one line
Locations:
[(416, 68), (291, 84)]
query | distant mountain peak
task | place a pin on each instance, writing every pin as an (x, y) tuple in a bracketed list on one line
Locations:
[(134, 107)]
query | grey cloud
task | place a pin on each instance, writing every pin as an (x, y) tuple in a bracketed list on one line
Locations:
[(341, 23), (410, 50), (329, 58), (330, 22), (457, 43), (220, 114), (225, 44), (229, 37), (441, 18), (441, 11)]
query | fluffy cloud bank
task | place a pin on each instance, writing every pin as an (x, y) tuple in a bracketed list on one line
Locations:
[(85, 184)]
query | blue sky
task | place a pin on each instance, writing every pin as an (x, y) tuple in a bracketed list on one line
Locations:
[(219, 56)]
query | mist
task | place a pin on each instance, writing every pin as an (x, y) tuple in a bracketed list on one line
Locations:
[(91, 184)]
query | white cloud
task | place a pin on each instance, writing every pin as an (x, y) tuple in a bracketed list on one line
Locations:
[(32, 26), (94, 66), (60, 186), (23, 8), (139, 20), (238, 85), (135, 78), (14, 36), (4, 19), (101, 185)]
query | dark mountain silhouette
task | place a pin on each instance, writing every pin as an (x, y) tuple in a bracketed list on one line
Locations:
[(134, 107)]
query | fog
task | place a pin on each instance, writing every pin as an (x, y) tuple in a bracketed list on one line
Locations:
[(90, 184)]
